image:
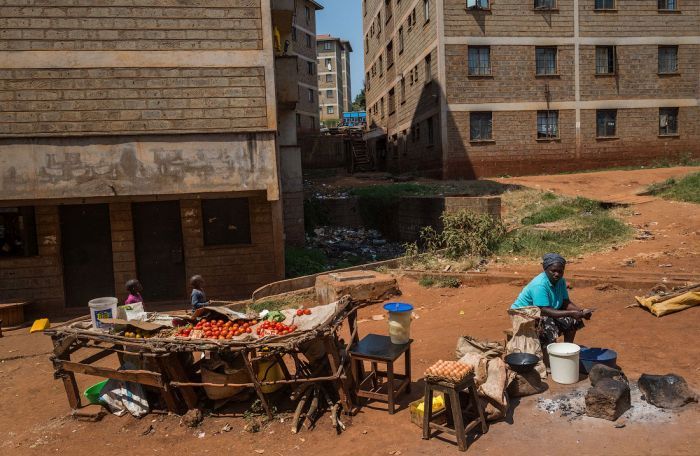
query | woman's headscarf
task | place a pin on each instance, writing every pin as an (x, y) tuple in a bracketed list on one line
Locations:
[(552, 258)]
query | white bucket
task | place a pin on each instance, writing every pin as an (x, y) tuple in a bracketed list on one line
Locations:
[(399, 322), (563, 361), (102, 308)]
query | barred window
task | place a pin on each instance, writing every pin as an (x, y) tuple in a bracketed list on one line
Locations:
[(479, 60), (668, 5), (547, 124), (392, 101), (390, 54), (668, 59), (546, 60), (668, 121), (545, 4), (605, 60), (480, 126), (606, 123), (604, 4)]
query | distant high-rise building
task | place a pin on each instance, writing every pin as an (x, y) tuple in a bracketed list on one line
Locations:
[(334, 87)]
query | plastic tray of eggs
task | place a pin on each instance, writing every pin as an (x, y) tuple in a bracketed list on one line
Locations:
[(449, 371)]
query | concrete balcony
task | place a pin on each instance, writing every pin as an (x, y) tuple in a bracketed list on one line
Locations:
[(287, 80), (282, 18)]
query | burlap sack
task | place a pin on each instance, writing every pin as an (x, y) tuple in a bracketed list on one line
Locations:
[(489, 350), (526, 385), (526, 336)]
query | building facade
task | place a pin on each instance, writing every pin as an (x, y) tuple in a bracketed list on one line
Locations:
[(141, 142), (334, 81), (469, 88)]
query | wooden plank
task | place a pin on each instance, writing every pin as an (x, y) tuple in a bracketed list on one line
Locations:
[(174, 369), (137, 376), (61, 346), (96, 357)]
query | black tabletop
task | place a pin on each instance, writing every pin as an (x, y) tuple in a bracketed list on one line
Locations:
[(379, 347)]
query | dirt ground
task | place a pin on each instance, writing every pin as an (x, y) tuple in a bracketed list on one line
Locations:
[(34, 417)]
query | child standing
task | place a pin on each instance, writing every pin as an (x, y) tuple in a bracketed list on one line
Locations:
[(199, 299), (135, 289)]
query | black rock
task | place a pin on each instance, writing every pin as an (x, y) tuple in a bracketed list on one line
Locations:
[(608, 399), (601, 371), (666, 391)]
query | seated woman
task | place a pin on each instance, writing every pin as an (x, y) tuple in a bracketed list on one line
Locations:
[(548, 292)]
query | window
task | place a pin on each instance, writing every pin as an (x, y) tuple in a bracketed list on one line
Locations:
[(479, 4), (390, 54), (392, 101), (605, 60), (329, 64), (18, 232), (547, 124), (416, 133), (381, 66), (412, 19), (415, 74), (329, 94), (308, 40), (400, 39), (546, 60), (379, 24), (298, 120), (367, 79), (330, 109), (545, 4), (426, 10), (310, 94), (388, 8), (431, 132), (668, 121), (480, 126), (310, 67), (366, 44), (668, 5), (428, 68), (327, 46), (294, 33), (604, 4), (606, 123), (479, 60), (381, 106), (307, 12), (329, 78), (226, 221), (403, 90), (668, 59)]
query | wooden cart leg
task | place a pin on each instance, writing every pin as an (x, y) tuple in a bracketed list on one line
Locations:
[(166, 391), (457, 419), (407, 357), (71, 390), (62, 352), (256, 385), (334, 361)]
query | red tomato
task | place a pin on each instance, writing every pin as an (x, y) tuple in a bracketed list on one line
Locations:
[(207, 333), (229, 336), (300, 312), (203, 320), (248, 330), (307, 311), (254, 322)]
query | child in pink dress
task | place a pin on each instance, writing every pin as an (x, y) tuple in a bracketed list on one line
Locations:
[(134, 288)]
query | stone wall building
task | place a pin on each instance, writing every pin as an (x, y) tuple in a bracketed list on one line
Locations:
[(334, 82), (469, 88), (142, 142)]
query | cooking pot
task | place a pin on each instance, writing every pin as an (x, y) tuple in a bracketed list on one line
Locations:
[(522, 363)]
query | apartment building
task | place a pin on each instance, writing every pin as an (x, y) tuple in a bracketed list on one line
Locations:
[(469, 88), (334, 81), (141, 142)]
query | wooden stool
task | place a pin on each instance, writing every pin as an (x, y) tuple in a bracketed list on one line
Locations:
[(453, 409), (379, 349)]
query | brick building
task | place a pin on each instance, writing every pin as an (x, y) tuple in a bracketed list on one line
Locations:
[(141, 142), (468, 88), (334, 81)]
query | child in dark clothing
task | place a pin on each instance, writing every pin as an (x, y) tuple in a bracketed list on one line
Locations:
[(199, 299), (135, 289)]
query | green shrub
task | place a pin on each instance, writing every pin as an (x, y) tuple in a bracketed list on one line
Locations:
[(439, 282), (467, 233), (685, 189), (300, 261)]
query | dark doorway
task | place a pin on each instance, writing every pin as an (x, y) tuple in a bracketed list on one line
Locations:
[(86, 244), (159, 258)]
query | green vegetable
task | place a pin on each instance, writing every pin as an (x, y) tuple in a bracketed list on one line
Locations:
[(276, 316)]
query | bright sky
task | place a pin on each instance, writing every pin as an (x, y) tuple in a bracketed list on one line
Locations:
[(343, 19)]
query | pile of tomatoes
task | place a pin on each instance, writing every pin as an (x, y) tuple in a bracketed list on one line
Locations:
[(301, 312), (219, 329), (275, 329)]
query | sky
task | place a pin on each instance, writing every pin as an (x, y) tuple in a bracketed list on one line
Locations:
[(343, 19)]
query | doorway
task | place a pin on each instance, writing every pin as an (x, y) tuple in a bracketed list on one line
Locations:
[(86, 248), (159, 254)]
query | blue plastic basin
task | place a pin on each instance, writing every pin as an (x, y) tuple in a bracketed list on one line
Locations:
[(589, 357)]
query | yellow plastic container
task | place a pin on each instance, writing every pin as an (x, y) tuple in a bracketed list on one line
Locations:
[(417, 408), (270, 371)]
